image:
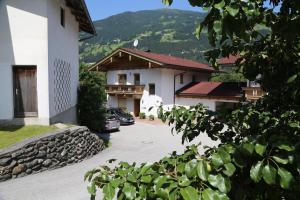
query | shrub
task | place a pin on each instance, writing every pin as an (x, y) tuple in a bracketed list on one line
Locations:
[(142, 115), (151, 117), (91, 100)]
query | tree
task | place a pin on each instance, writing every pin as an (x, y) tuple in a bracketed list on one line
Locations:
[(259, 153), (91, 99)]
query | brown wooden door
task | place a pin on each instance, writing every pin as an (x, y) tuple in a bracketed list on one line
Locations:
[(25, 91), (137, 107)]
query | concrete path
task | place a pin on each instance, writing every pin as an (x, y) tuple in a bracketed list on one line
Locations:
[(140, 142)]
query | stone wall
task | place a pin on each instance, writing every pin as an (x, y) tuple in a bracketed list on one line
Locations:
[(50, 151)]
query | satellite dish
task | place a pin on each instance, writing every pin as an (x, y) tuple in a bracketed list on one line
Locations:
[(135, 43)]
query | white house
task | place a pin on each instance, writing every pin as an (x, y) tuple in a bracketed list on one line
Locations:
[(39, 59), (252, 90), (139, 80)]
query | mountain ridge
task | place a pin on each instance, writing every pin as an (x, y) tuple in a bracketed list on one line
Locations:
[(166, 31)]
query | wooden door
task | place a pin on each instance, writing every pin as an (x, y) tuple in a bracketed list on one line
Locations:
[(25, 91), (137, 107)]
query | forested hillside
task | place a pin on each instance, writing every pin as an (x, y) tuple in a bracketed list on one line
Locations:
[(165, 31)]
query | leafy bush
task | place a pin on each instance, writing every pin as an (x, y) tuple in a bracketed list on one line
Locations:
[(142, 115), (91, 100), (151, 117), (259, 152)]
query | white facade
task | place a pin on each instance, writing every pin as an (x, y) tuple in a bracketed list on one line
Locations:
[(164, 89), (31, 34)]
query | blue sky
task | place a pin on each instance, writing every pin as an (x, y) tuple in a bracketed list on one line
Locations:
[(100, 9)]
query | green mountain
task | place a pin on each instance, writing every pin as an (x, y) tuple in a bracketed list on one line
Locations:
[(164, 31)]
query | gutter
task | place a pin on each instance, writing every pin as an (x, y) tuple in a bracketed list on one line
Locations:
[(174, 95)]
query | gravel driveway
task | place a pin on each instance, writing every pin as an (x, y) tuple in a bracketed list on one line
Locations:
[(140, 143)]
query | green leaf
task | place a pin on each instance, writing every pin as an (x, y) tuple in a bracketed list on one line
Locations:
[(146, 179), (260, 149), (269, 174), (286, 147), (142, 191), (285, 178), (224, 156), (108, 191), (144, 169), (191, 169), (198, 31), (218, 181), (160, 181), (220, 5), (217, 160), (280, 160), (292, 78), (256, 172), (129, 191), (209, 194), (202, 170), (184, 181), (220, 157), (217, 26), (232, 10), (248, 147), (189, 193), (92, 189), (163, 193), (229, 169), (116, 182)]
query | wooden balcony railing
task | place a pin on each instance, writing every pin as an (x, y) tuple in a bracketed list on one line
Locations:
[(124, 89), (253, 93)]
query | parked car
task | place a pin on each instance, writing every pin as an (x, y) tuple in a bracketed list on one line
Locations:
[(123, 117), (111, 123)]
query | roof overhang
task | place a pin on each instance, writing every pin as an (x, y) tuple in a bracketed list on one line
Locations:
[(79, 10), (217, 98), (101, 65)]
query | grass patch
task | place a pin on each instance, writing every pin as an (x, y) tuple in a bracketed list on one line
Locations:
[(12, 134)]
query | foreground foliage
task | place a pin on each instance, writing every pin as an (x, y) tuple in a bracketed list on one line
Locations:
[(259, 152)]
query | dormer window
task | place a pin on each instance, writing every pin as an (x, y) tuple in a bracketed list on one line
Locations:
[(62, 17)]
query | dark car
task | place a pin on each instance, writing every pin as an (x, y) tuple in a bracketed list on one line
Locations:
[(111, 123), (123, 117)]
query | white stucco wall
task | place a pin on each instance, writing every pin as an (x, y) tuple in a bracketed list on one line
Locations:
[(63, 48), (31, 34), (23, 41), (164, 87), (210, 104)]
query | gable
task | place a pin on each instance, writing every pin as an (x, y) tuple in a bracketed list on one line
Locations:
[(125, 58)]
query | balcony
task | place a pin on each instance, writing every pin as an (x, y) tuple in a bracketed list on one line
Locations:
[(125, 90), (253, 93)]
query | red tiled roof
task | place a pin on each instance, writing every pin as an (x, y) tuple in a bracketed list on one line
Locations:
[(213, 89), (170, 60), (228, 60)]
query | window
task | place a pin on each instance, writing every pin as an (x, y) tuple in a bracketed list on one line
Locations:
[(137, 79), (181, 78), (62, 17), (122, 79), (194, 78), (152, 89)]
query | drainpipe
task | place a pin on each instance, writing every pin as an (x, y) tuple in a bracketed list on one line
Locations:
[(174, 95)]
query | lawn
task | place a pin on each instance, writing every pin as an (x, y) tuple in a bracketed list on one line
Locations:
[(12, 134)]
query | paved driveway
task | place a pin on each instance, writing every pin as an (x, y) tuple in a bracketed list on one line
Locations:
[(140, 142)]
